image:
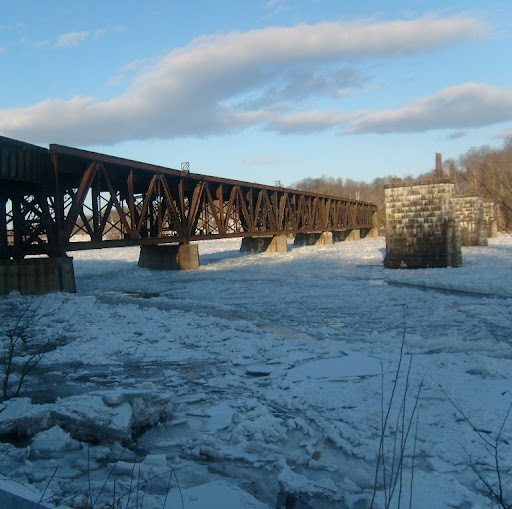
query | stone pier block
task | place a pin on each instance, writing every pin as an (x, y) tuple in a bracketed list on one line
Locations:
[(470, 216), (314, 239), (421, 228), (491, 212), (170, 257), (276, 244), (37, 275)]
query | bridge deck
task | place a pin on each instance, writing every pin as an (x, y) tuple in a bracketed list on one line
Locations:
[(64, 199)]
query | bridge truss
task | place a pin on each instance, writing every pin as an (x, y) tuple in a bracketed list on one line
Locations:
[(66, 199)]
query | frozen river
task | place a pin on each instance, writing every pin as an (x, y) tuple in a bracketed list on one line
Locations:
[(261, 377)]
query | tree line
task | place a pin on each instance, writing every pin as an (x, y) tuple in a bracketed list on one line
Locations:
[(484, 171)]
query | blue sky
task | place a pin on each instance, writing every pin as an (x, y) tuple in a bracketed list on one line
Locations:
[(260, 90)]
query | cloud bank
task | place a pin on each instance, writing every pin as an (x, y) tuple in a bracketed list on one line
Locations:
[(225, 83), (465, 106)]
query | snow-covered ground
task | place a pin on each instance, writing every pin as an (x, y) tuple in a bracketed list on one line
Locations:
[(260, 377)]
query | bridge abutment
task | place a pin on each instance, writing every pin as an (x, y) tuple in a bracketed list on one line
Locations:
[(37, 275), (170, 257), (275, 244)]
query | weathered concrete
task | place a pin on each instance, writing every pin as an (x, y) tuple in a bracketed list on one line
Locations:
[(369, 233), (421, 229), (37, 275), (470, 216), (354, 234), (314, 239), (339, 236), (491, 212), (170, 257), (276, 244)]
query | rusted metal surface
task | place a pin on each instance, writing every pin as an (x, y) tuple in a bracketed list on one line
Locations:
[(83, 200)]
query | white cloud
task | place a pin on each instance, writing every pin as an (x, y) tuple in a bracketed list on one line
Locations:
[(204, 87), (135, 65), (71, 39), (459, 107), (310, 121)]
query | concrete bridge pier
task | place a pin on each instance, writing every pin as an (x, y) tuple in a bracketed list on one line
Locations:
[(170, 257), (369, 233), (275, 244), (37, 275), (347, 235), (362, 233), (314, 239)]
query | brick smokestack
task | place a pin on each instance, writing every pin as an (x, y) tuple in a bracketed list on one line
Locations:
[(439, 165)]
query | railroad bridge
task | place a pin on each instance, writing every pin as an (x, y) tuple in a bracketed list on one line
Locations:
[(62, 199)]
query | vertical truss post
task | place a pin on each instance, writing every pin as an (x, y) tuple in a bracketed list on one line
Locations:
[(18, 225), (3, 229), (96, 219), (61, 237)]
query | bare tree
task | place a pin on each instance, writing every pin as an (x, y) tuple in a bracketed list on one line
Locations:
[(22, 345)]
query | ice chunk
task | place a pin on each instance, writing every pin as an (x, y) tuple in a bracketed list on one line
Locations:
[(213, 495), (87, 416), (19, 416), (52, 443), (353, 365), (219, 417)]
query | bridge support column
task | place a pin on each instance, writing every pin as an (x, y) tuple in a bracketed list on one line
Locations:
[(368, 233), (37, 275), (314, 239), (276, 244), (340, 236), (371, 232), (347, 235), (170, 257)]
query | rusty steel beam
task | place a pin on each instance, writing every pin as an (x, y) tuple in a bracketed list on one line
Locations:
[(84, 200)]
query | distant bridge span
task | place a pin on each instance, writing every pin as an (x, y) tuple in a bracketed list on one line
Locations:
[(64, 199)]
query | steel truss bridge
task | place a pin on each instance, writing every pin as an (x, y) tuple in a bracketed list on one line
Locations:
[(64, 199)]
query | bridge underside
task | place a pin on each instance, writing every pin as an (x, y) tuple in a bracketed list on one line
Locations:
[(65, 199)]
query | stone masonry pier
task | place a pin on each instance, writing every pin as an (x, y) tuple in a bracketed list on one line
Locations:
[(470, 216), (421, 229), (491, 213)]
